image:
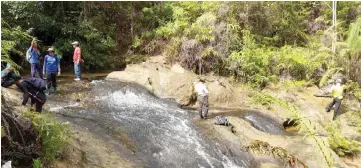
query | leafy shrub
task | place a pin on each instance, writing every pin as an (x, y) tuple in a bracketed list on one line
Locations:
[(53, 135), (262, 99), (342, 145), (253, 63), (12, 40)]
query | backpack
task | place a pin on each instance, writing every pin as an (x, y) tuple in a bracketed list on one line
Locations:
[(28, 54), (222, 120)]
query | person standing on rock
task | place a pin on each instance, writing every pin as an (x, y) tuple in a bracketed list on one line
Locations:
[(51, 69), (8, 76), (77, 60), (33, 88), (337, 94), (32, 55), (202, 92)]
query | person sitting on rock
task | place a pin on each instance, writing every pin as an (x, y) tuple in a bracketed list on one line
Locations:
[(33, 88), (51, 69), (8, 76), (202, 92), (337, 94)]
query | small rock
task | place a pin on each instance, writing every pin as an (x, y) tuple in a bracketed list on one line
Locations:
[(7, 165)]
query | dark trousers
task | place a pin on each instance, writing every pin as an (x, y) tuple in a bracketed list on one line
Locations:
[(203, 109), (39, 100), (51, 79), (337, 103), (35, 68), (7, 83)]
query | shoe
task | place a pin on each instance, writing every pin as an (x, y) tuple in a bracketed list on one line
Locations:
[(77, 79), (327, 109), (54, 90)]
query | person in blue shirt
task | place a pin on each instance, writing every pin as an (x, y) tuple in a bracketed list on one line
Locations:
[(8, 76), (51, 69), (32, 55)]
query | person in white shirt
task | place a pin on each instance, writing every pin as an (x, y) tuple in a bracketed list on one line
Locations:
[(202, 92)]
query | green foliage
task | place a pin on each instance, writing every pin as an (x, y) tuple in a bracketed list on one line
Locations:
[(37, 163), (354, 89), (342, 145), (262, 99), (11, 42), (253, 62), (172, 49), (328, 75), (53, 135), (354, 118)]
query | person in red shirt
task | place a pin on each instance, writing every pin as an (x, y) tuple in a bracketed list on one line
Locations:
[(77, 60)]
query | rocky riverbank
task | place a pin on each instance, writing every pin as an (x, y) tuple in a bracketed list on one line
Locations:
[(225, 98), (255, 125)]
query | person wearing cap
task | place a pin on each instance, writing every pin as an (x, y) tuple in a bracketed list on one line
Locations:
[(33, 88), (202, 92), (8, 76), (77, 60), (51, 69), (32, 56), (337, 94)]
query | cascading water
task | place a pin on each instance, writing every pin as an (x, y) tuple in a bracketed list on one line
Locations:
[(163, 133)]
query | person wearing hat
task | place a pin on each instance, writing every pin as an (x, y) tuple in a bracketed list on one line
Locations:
[(202, 92), (33, 88), (51, 69), (8, 76), (32, 56), (337, 94), (77, 60)]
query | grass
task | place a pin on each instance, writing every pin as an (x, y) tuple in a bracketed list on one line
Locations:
[(52, 134)]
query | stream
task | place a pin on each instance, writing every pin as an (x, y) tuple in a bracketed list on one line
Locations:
[(163, 133)]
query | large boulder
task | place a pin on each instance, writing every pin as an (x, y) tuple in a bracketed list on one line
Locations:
[(175, 82)]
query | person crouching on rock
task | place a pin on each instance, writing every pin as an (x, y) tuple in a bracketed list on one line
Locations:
[(202, 92), (337, 94), (33, 88), (8, 76), (51, 69)]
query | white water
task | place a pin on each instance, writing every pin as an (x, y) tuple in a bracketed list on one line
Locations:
[(164, 134)]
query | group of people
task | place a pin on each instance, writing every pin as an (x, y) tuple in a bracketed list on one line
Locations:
[(36, 88), (336, 92)]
